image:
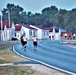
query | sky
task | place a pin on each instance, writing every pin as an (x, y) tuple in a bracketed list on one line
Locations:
[(36, 6)]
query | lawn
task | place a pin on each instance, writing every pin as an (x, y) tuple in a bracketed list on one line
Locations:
[(6, 53), (12, 70)]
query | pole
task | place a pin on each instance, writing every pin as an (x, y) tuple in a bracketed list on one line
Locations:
[(1, 22), (1, 26), (9, 18), (9, 24)]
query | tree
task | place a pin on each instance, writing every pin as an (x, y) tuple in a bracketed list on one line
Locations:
[(60, 18), (70, 20), (14, 12), (49, 16)]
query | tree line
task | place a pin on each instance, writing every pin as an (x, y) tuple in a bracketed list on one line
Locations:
[(49, 16)]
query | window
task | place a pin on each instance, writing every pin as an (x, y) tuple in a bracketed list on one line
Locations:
[(56, 30), (47, 33), (18, 35), (44, 33), (34, 32), (15, 34), (30, 32)]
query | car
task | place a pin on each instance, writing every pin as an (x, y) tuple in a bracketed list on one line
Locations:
[(14, 38)]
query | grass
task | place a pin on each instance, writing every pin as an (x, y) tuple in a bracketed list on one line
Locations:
[(6, 53), (9, 56), (2, 61), (13, 70), (7, 44)]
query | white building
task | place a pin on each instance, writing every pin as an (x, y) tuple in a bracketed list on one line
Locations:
[(55, 33), (20, 29), (29, 31), (6, 31), (51, 33), (42, 33)]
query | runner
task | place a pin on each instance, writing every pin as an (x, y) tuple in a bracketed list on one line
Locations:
[(24, 41), (35, 42), (74, 36)]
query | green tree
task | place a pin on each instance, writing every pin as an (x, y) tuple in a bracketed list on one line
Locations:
[(70, 20), (48, 15), (60, 18), (14, 12)]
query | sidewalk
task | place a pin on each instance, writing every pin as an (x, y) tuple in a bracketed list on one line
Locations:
[(7, 64)]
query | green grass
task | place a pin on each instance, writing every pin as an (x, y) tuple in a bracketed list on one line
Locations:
[(2, 61), (7, 44), (14, 70)]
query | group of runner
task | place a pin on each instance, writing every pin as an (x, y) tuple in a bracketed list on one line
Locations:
[(24, 41)]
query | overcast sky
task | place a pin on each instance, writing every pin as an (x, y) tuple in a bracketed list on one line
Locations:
[(38, 5)]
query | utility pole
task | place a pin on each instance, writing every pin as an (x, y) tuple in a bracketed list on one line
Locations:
[(1, 26), (9, 25), (9, 18)]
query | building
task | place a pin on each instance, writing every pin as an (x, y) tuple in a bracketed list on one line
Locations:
[(42, 32), (29, 31), (9, 32), (20, 29), (6, 31), (18, 32)]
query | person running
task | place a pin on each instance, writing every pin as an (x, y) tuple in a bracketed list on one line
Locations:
[(24, 41), (35, 42), (74, 36)]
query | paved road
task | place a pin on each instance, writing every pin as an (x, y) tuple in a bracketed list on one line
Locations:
[(52, 54)]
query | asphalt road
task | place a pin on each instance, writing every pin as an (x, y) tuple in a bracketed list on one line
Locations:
[(52, 54)]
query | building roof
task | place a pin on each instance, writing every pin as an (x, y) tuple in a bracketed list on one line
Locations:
[(51, 28), (43, 28), (27, 26), (18, 27), (63, 30), (7, 25)]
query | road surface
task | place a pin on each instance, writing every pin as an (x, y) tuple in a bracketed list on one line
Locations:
[(50, 53)]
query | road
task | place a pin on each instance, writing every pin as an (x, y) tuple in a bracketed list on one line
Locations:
[(50, 53)]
